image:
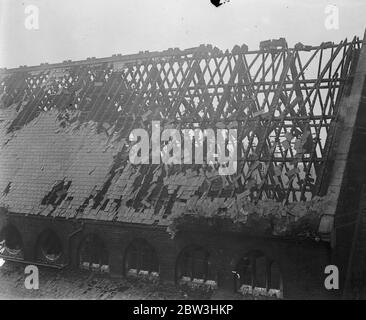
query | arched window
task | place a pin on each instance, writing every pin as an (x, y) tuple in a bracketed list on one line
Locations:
[(257, 274), (93, 253), (49, 247), (11, 243), (141, 258), (193, 263)]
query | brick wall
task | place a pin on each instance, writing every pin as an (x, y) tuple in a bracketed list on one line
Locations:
[(301, 263)]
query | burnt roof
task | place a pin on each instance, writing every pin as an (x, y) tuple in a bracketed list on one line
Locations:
[(65, 128)]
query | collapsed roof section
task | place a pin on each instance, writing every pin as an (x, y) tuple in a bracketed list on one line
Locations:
[(65, 129)]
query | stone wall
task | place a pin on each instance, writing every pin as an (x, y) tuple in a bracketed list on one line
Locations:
[(301, 263)]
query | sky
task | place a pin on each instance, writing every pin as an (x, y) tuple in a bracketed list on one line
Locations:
[(77, 29)]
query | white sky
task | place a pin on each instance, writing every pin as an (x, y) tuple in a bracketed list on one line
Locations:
[(77, 29)]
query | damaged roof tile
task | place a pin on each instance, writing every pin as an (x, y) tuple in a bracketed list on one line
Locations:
[(64, 135)]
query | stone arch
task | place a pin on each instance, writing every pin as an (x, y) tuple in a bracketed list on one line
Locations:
[(141, 258), (49, 247), (257, 273), (11, 242), (193, 262), (93, 254)]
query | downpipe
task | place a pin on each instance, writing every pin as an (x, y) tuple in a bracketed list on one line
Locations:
[(71, 235)]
